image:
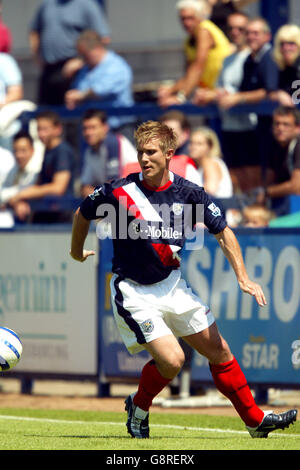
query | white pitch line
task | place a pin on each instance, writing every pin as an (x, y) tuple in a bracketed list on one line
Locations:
[(113, 423)]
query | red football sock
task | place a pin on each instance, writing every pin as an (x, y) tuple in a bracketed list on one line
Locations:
[(151, 383), (230, 381)]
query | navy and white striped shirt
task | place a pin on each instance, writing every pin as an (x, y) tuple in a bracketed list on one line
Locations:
[(150, 225)]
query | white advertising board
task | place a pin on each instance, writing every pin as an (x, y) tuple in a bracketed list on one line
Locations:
[(50, 301)]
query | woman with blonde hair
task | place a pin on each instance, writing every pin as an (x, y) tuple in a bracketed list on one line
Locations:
[(286, 53), (205, 150)]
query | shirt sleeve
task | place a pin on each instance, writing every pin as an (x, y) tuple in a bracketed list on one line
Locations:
[(6, 38), (86, 176), (64, 160), (296, 163), (193, 175), (209, 213), (128, 151), (112, 80), (13, 74), (97, 20), (101, 195), (220, 79), (270, 75), (36, 21)]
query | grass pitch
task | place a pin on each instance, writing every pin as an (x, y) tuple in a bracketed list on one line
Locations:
[(22, 429)]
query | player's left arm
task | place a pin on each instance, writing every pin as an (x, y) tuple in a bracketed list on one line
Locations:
[(80, 230), (231, 249)]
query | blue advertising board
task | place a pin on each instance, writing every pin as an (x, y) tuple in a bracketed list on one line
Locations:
[(265, 340)]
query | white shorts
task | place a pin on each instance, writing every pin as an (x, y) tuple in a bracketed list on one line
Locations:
[(147, 312)]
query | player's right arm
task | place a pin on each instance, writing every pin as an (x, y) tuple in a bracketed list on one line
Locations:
[(80, 230), (87, 211)]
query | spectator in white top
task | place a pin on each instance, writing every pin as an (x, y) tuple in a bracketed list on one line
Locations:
[(22, 171), (6, 164), (26, 167), (206, 152), (11, 90), (107, 153)]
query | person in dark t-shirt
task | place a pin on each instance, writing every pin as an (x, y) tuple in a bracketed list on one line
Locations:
[(56, 175), (260, 80), (283, 175), (151, 213)]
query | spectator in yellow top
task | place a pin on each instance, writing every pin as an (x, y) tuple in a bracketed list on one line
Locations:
[(205, 49)]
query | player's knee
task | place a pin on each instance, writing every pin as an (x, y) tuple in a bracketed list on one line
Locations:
[(176, 361), (172, 364), (179, 361)]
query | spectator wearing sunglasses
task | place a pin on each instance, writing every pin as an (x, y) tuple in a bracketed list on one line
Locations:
[(286, 53), (260, 80), (222, 9)]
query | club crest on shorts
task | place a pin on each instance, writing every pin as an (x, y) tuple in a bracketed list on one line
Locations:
[(147, 326), (177, 208)]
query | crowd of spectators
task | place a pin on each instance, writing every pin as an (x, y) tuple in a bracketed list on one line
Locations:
[(54, 31), (232, 60)]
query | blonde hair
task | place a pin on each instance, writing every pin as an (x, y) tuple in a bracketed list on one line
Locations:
[(156, 130), (201, 7), (290, 33), (262, 212), (211, 139)]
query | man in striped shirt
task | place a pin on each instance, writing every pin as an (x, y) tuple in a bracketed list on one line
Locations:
[(152, 213)]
